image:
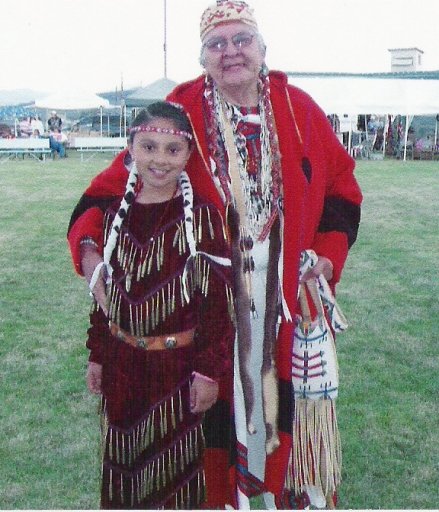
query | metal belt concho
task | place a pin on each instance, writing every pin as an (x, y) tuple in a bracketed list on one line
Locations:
[(162, 342)]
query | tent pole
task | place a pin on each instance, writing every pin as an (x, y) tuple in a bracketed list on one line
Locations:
[(435, 135), (406, 136), (350, 135)]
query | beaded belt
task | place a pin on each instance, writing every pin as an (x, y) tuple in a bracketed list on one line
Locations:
[(164, 342)]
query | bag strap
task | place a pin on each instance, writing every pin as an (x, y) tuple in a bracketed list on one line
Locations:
[(315, 295), (304, 306), (311, 285)]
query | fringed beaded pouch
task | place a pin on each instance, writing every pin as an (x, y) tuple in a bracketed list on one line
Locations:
[(315, 462)]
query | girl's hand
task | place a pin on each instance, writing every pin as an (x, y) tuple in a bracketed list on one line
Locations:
[(204, 393), (94, 378)]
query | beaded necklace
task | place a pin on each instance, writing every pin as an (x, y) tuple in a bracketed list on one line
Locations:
[(261, 196)]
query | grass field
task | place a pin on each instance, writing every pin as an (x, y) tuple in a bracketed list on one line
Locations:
[(388, 405)]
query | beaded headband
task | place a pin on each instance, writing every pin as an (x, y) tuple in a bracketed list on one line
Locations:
[(167, 131)]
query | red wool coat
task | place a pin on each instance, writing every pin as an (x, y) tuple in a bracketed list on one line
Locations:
[(321, 202)]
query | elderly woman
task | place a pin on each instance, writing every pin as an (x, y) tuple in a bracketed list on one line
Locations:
[(268, 159)]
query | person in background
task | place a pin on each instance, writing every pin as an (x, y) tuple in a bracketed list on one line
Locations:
[(37, 124), (54, 122), (372, 124), (268, 158), (161, 334), (36, 135), (5, 131), (25, 127), (58, 142)]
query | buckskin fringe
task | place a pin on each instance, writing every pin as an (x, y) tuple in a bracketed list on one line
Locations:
[(178, 291), (172, 474), (145, 317), (316, 454)]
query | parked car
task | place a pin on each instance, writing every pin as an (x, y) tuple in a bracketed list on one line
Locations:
[(92, 124)]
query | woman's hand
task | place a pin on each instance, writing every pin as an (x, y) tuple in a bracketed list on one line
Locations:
[(90, 258), (323, 266), (94, 378), (204, 393)]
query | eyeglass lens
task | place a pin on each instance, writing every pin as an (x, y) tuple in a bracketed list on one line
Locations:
[(219, 44)]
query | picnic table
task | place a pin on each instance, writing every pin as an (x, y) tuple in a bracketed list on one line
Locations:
[(12, 148), (95, 145)]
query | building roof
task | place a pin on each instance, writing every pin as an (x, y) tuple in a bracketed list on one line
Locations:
[(157, 91), (409, 75), (405, 50)]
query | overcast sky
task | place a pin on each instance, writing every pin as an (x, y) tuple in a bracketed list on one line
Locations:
[(50, 45)]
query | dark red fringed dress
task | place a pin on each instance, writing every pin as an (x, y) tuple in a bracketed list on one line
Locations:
[(153, 446)]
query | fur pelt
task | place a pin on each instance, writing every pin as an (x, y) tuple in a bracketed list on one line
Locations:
[(270, 399), (242, 312), (270, 394)]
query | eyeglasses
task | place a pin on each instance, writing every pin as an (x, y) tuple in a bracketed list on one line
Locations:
[(219, 44)]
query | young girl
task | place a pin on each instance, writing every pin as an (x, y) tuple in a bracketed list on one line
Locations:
[(161, 334)]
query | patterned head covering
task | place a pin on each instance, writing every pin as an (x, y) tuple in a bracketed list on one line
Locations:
[(224, 11)]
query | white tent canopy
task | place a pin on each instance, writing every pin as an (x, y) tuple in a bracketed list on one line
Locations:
[(72, 100), (353, 95), (371, 95)]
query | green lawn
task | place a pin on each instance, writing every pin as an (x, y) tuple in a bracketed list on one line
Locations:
[(388, 405)]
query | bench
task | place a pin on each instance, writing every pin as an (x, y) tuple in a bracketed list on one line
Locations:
[(36, 148), (94, 145)]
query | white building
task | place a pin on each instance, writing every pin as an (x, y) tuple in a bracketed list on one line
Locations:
[(406, 59)]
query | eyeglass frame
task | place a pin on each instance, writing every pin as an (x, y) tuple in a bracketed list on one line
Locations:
[(236, 41)]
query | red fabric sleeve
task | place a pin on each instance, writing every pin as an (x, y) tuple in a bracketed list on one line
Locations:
[(334, 246), (88, 215), (88, 224), (337, 229)]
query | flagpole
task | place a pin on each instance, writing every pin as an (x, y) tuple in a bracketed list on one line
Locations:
[(164, 44)]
